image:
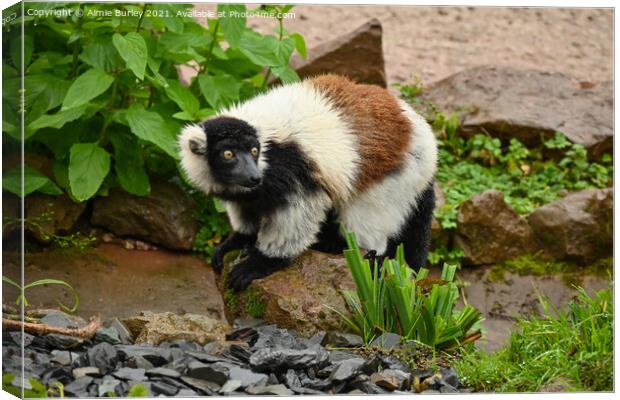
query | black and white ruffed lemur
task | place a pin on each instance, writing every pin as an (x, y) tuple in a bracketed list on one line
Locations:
[(292, 164)]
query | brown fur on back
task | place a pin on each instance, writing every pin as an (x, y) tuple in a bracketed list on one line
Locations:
[(377, 118)]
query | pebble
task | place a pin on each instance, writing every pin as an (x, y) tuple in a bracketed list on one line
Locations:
[(387, 341), (230, 386), (390, 362), (62, 320), (187, 393), (164, 389), (130, 374), (16, 337), (124, 334), (247, 377), (78, 388), (273, 390), (109, 384), (270, 336), (339, 339), (170, 373), (270, 359), (64, 342), (63, 357), (157, 357), (103, 356), (86, 371), (108, 335), (347, 369), (392, 379), (217, 372), (139, 362), (205, 387)]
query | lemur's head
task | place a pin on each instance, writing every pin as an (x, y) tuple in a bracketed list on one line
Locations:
[(222, 150)]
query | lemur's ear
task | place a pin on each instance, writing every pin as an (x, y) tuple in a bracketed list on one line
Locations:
[(198, 146)]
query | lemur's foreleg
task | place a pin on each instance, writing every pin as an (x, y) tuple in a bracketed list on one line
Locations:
[(282, 237)]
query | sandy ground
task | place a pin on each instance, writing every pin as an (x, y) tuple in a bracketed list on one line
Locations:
[(435, 42)]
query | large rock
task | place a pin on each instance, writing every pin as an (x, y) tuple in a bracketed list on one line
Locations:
[(578, 227), (51, 215), (489, 231), (154, 328), (357, 55), (164, 217), (298, 297), (508, 102)]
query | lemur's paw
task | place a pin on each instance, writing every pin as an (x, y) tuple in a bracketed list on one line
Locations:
[(242, 275), (217, 261)]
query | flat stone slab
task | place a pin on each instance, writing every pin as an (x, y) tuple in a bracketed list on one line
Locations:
[(508, 102)]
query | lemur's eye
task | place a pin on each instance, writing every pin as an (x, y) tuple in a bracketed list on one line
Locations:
[(254, 151), (228, 154)]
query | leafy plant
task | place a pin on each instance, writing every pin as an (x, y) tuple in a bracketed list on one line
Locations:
[(75, 241), (102, 95), (41, 282), (213, 223), (572, 347), (413, 305), (528, 177), (138, 390), (55, 388), (443, 254)]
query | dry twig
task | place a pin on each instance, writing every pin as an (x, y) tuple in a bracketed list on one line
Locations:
[(85, 332)]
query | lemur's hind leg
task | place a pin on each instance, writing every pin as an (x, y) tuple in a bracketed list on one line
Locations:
[(416, 232), (329, 239), (373, 259)]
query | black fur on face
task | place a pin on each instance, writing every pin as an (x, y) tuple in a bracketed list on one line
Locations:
[(232, 152)]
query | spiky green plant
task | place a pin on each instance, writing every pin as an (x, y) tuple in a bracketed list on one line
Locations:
[(397, 299)]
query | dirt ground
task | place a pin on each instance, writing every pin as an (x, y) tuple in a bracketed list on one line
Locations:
[(435, 42)]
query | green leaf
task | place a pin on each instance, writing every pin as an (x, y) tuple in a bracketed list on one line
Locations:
[(89, 164), (55, 120), (220, 90), (261, 50), (129, 165), (101, 53), (150, 126), (86, 87), (300, 44), (219, 207), (183, 116), (285, 73), (204, 113), (132, 49), (182, 96), (61, 174), (232, 26), (138, 391), (33, 181), (16, 50), (284, 50)]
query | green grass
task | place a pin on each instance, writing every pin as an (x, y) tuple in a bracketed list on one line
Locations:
[(396, 299), (574, 347)]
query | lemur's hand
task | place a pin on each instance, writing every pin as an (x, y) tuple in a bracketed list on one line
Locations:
[(242, 274), (217, 261), (255, 266), (234, 241)]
